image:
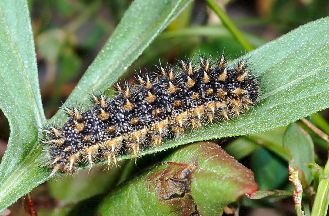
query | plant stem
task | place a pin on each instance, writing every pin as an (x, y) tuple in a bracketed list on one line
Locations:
[(316, 130), (321, 201), (298, 192), (229, 24), (319, 121)]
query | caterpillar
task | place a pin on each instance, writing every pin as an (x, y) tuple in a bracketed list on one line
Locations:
[(143, 115)]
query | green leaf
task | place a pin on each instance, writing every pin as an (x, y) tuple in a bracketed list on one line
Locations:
[(74, 188), (240, 148), (270, 172), (293, 74), (272, 140), (19, 100), (288, 82), (201, 175), (301, 149), (292, 71)]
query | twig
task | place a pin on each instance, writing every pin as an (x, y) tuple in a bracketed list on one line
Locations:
[(229, 24), (320, 122), (298, 192), (29, 205), (316, 130)]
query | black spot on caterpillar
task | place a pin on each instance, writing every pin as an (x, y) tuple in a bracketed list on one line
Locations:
[(143, 115)]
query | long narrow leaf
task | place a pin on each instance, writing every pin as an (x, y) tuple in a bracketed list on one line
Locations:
[(293, 72), (19, 96)]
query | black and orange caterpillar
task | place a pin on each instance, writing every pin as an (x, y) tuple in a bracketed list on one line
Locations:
[(143, 115)]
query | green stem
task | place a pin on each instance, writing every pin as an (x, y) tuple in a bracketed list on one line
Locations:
[(80, 20), (229, 24), (321, 201)]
